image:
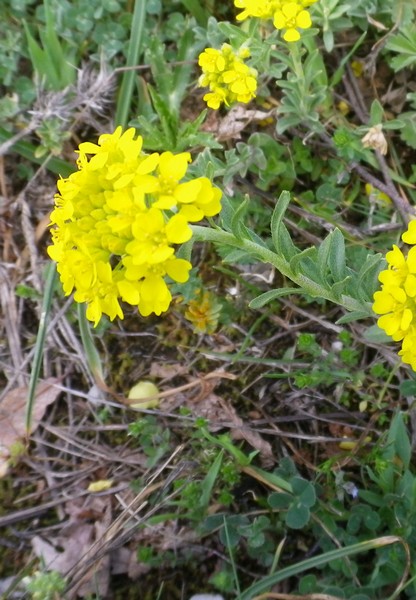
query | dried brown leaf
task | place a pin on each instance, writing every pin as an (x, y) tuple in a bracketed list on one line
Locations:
[(240, 431), (13, 415), (167, 372), (237, 119), (74, 546)]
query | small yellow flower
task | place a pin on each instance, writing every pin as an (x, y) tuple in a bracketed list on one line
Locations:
[(292, 17), (343, 107), (229, 79), (357, 67), (396, 301), (288, 15), (211, 60), (261, 9), (117, 222), (215, 98)]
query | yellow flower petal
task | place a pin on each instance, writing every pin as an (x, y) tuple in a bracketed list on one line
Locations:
[(178, 269), (291, 35), (100, 486), (409, 236), (178, 230), (303, 20)]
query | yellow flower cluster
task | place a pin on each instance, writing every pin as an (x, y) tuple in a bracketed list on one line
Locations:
[(396, 301), (227, 76), (287, 15), (117, 219)]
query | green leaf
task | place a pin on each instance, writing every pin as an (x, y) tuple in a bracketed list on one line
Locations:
[(339, 288), (376, 113), (337, 263), (308, 495), (376, 335), (267, 297), (287, 247), (408, 388), (310, 252), (368, 274), (404, 43), (229, 536), (297, 516), (408, 132), (237, 226), (324, 251), (309, 268), (350, 317), (371, 520), (398, 436), (280, 500), (277, 218)]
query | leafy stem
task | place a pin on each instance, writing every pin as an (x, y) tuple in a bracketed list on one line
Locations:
[(264, 254)]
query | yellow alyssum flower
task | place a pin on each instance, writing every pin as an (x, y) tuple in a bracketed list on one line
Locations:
[(229, 79), (118, 220), (261, 9), (287, 15), (292, 17), (396, 301)]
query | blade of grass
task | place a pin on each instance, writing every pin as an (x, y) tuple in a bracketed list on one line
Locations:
[(40, 341), (317, 561), (194, 7), (62, 57), (231, 554), (133, 53), (208, 482)]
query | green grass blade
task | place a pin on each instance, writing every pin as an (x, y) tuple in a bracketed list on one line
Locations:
[(40, 341), (194, 7), (210, 478), (133, 53), (59, 54), (232, 559), (317, 561), (40, 60)]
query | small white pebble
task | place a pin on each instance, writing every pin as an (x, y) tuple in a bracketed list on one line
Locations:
[(337, 346)]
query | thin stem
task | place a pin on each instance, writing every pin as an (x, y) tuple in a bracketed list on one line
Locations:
[(40, 342), (297, 62)]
